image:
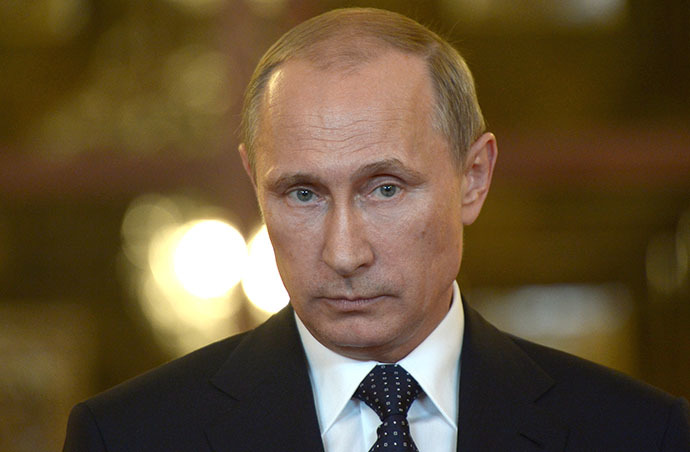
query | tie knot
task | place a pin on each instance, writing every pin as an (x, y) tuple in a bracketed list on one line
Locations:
[(389, 390)]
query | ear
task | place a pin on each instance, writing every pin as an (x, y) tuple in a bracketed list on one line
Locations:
[(476, 178), (242, 149)]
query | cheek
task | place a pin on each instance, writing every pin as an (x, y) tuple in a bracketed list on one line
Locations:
[(295, 245), (286, 241), (420, 236), (437, 237)]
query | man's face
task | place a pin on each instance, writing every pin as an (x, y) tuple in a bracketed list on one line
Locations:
[(363, 203)]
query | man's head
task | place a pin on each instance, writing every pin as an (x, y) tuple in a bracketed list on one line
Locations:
[(363, 193)]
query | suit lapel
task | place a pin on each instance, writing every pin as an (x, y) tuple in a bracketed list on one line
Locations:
[(270, 399), (499, 388)]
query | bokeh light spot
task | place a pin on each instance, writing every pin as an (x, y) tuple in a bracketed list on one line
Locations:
[(261, 281), (145, 217), (208, 258)]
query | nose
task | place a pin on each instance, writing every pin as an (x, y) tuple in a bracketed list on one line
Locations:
[(346, 248)]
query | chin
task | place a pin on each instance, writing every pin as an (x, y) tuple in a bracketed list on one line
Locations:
[(356, 346)]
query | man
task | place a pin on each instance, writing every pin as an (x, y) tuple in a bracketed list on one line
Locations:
[(365, 143)]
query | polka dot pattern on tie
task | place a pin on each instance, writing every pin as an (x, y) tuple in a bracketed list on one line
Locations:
[(390, 390)]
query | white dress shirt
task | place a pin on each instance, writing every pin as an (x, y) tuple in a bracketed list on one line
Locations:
[(349, 425)]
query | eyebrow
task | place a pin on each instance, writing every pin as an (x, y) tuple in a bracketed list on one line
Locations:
[(391, 166), (285, 181)]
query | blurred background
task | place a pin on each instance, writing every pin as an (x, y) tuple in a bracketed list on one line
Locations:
[(129, 234)]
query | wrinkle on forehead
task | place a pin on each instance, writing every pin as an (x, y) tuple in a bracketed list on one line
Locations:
[(392, 72), (387, 100), (333, 127)]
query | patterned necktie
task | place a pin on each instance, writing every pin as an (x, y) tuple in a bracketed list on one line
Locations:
[(389, 390)]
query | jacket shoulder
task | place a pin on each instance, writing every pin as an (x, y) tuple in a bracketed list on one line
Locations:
[(188, 373), (175, 406), (590, 397), (163, 409), (578, 374)]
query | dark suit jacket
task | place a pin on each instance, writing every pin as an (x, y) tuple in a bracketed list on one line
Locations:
[(251, 392)]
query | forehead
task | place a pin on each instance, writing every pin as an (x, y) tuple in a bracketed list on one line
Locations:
[(386, 101)]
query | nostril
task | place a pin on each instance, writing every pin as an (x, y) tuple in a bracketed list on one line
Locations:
[(346, 255)]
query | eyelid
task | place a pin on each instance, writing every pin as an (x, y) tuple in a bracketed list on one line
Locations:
[(386, 179), (299, 186), (288, 183)]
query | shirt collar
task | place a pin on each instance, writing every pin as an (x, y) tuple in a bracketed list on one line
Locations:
[(434, 364)]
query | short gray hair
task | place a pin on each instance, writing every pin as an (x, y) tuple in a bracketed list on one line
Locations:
[(344, 38)]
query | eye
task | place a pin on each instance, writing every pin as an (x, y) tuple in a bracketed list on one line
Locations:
[(302, 195), (387, 190)]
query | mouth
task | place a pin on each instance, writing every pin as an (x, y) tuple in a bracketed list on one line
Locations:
[(352, 303)]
